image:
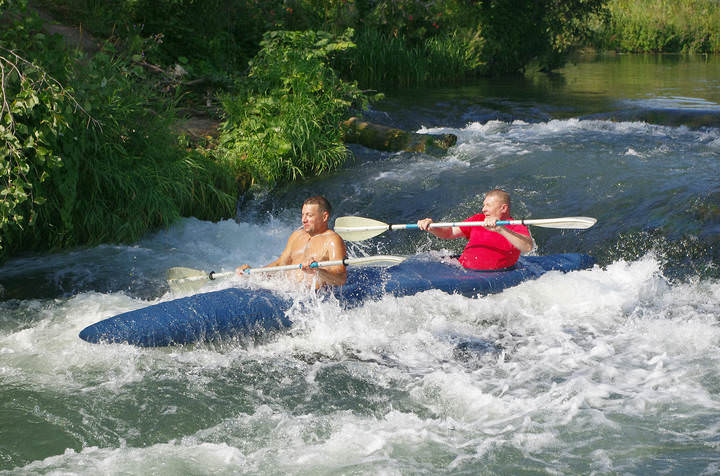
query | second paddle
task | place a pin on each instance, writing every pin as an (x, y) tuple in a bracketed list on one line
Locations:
[(358, 228)]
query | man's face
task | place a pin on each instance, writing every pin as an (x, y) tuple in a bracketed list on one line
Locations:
[(494, 208), (314, 220)]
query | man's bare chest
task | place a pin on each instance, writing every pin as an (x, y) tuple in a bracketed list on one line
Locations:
[(310, 246)]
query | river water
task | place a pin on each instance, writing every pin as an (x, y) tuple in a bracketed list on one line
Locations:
[(615, 369)]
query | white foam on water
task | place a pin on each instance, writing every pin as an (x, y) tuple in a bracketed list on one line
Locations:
[(224, 245), (161, 459), (566, 353), (501, 139), (49, 353), (395, 171), (265, 442), (578, 348), (545, 147)]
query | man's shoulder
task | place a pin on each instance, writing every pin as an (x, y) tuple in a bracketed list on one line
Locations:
[(476, 217), (330, 235), (298, 234)]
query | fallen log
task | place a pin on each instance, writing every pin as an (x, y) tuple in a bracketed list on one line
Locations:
[(376, 136)]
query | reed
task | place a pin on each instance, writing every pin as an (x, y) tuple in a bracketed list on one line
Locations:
[(661, 26), (387, 60)]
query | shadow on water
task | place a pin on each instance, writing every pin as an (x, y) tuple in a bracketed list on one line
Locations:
[(666, 117), (103, 269)]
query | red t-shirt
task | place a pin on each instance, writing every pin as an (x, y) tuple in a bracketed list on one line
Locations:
[(487, 249)]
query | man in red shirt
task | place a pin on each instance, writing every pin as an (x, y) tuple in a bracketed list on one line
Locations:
[(491, 246)]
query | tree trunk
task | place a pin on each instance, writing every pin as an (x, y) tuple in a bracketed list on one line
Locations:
[(386, 138)]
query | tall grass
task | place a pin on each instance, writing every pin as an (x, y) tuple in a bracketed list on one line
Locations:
[(667, 26), (388, 60)]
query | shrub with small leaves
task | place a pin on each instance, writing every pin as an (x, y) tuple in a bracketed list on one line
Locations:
[(285, 121)]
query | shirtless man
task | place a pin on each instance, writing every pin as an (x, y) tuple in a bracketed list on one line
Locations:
[(313, 242), (491, 246)]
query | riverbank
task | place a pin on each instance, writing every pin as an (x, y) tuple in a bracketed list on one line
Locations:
[(93, 150)]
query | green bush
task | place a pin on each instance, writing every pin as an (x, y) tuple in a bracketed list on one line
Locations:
[(518, 33), (94, 160), (33, 116), (214, 38), (401, 43), (285, 121), (88, 154)]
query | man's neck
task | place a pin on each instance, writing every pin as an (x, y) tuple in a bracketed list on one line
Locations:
[(316, 233)]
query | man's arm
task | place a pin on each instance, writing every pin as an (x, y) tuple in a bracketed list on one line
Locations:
[(522, 242), (448, 233), (284, 259)]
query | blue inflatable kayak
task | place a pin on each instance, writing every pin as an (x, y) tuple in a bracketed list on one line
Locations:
[(246, 312)]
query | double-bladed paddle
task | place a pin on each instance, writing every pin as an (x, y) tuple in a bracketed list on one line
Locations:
[(178, 276), (359, 228)]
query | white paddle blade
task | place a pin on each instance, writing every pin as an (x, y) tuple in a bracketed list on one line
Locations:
[(186, 287), (185, 280), (379, 260), (178, 272), (359, 228), (575, 223)]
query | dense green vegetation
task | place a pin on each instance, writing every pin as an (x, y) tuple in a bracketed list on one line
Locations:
[(87, 153), (90, 149), (282, 120), (660, 26)]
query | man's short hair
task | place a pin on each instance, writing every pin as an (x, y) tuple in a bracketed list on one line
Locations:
[(501, 195), (322, 203)]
